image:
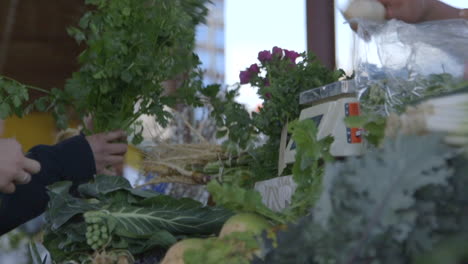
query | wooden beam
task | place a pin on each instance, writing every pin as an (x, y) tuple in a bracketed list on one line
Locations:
[(40, 51), (321, 30)]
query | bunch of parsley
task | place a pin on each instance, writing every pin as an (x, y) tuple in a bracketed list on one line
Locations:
[(132, 48)]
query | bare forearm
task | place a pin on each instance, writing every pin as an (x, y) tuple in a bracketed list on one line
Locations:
[(438, 10)]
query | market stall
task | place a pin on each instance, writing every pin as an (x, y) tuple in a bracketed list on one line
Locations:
[(368, 168)]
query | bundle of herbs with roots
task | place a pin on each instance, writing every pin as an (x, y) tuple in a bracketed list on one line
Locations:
[(194, 164)]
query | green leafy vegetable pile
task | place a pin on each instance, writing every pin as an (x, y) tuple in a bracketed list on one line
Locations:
[(110, 215), (384, 96), (389, 206), (393, 94)]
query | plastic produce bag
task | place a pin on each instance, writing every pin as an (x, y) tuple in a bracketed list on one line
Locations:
[(397, 63)]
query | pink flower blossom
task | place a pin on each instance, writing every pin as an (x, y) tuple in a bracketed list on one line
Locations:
[(291, 55), (264, 56), (254, 69), (244, 77), (277, 51)]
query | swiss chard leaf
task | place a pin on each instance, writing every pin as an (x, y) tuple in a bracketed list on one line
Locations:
[(103, 184), (159, 238), (65, 245), (63, 206), (114, 190), (141, 222)]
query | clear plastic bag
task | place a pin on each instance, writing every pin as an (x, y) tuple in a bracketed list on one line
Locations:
[(397, 63)]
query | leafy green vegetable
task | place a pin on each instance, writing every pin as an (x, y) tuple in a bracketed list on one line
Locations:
[(241, 200), (111, 215), (308, 167), (63, 207), (133, 47), (393, 95), (383, 97), (452, 250), (14, 97), (373, 125), (386, 207), (34, 254)]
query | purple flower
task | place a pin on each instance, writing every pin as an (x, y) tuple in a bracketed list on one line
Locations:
[(264, 56), (266, 82), (254, 68), (268, 96), (244, 77), (277, 51), (291, 55)]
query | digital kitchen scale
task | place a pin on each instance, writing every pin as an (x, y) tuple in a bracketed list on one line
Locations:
[(328, 106)]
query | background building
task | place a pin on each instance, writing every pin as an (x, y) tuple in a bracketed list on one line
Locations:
[(210, 43)]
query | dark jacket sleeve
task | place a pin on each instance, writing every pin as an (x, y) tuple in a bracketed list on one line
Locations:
[(70, 160)]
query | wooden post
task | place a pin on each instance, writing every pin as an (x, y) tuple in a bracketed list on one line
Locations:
[(321, 30)]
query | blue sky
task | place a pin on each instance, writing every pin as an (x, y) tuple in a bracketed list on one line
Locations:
[(255, 25)]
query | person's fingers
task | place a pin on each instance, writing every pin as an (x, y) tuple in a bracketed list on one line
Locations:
[(31, 166), (23, 177), (116, 148), (114, 159), (9, 188), (115, 135), (389, 13), (88, 122)]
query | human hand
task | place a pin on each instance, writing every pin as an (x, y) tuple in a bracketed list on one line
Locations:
[(107, 154), (410, 11), (15, 168), (88, 123)]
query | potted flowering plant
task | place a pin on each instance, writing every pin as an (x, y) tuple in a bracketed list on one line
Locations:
[(280, 76)]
